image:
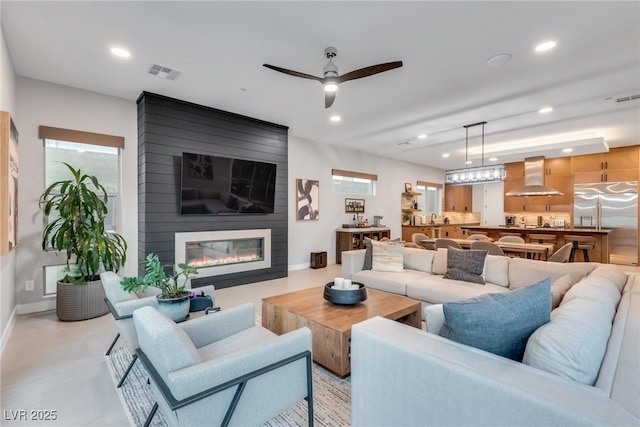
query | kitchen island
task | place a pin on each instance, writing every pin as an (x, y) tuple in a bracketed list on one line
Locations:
[(601, 253)]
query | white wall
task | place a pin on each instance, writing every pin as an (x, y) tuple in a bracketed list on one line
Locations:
[(41, 103), (309, 160), (7, 262)]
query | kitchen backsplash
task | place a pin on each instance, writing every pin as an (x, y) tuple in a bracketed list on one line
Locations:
[(531, 218), (461, 217)]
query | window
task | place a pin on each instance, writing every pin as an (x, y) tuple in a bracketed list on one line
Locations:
[(430, 199), (100, 156), (349, 182)]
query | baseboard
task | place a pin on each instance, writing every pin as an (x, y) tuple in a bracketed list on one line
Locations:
[(36, 307), (293, 267), (7, 331)]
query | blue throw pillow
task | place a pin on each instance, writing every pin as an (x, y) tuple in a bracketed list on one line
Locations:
[(499, 323)]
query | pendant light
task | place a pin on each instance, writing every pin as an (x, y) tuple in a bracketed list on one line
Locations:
[(477, 175)]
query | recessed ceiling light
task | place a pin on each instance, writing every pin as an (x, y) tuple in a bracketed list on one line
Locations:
[(567, 150), (545, 110), (122, 53), (445, 155), (422, 136), (542, 47), (468, 162), (335, 118), (493, 159), (499, 59)]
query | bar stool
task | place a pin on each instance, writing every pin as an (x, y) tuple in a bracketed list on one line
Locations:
[(544, 238), (583, 243)]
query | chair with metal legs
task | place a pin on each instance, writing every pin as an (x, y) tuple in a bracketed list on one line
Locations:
[(223, 369)]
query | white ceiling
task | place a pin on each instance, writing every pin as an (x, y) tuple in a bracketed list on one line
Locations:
[(445, 82)]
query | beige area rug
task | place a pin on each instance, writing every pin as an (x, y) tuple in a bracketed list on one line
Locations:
[(331, 396)]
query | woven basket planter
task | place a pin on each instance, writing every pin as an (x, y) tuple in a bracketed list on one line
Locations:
[(80, 302)]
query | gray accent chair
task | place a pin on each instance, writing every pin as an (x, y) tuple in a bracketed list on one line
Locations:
[(122, 304), (418, 238), (223, 369)]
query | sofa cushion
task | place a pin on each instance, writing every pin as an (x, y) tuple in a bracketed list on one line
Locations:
[(436, 289), (418, 259), (573, 343), (559, 287), (496, 270), (612, 273), (499, 323), (522, 272), (387, 256), (597, 289), (465, 264), (367, 255), (440, 261), (389, 281)]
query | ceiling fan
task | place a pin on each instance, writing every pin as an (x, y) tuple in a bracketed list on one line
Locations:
[(331, 79)]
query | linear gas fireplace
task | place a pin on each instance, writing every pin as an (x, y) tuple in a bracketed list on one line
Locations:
[(224, 252)]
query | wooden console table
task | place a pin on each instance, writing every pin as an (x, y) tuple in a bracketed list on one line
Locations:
[(350, 239)]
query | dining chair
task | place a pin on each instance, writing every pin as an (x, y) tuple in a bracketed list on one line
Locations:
[(418, 238), (446, 243), (511, 239), (490, 247), (478, 237), (562, 255)]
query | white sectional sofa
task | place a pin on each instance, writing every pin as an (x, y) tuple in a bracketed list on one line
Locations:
[(580, 368), (422, 278)]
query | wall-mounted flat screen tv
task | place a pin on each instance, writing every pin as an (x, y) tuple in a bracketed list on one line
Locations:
[(213, 185)]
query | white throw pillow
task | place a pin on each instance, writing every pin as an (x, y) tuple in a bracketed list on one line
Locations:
[(418, 259), (434, 318), (440, 261), (387, 256), (573, 343), (496, 270)]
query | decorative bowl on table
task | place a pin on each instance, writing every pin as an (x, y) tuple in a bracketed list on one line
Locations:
[(345, 296)]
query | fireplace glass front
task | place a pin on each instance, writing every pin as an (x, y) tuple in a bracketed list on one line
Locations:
[(212, 253)]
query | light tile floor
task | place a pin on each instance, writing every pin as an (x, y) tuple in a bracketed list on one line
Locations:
[(50, 365)]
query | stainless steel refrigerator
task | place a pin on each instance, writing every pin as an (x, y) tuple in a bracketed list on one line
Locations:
[(610, 205)]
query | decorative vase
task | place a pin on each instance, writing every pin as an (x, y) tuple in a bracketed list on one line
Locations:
[(176, 308), (80, 302)]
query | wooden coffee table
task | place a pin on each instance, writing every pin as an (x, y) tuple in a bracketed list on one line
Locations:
[(330, 324)]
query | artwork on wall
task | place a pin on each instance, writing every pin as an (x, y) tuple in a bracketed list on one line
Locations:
[(354, 205), (8, 184), (308, 199), (407, 187)]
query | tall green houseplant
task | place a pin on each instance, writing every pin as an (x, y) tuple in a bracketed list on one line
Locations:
[(77, 210)]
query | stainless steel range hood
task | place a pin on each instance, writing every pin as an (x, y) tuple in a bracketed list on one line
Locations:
[(534, 180)]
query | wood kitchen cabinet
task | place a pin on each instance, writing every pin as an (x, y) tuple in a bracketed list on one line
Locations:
[(514, 179), (619, 164), (458, 198), (557, 174)]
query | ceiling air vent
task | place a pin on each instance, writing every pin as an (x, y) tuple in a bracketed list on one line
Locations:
[(164, 72), (627, 98)]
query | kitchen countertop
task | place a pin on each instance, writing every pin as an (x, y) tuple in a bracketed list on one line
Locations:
[(442, 224), (540, 229)]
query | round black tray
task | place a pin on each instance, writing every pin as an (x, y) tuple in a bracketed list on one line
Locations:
[(345, 297)]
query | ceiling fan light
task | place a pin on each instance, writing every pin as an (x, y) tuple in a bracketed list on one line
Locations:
[(330, 87)]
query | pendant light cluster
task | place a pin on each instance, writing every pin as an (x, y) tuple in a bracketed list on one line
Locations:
[(475, 175)]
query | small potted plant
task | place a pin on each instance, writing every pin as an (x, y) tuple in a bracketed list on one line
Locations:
[(173, 299), (77, 210)]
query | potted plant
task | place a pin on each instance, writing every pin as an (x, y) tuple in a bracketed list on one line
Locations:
[(77, 209), (406, 219), (173, 299)]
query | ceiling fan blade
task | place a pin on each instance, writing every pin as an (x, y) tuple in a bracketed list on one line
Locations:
[(329, 97), (369, 71), (293, 73)]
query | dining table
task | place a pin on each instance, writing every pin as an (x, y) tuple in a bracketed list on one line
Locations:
[(528, 250)]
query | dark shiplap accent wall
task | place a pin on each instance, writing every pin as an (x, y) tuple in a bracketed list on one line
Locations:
[(168, 127)]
